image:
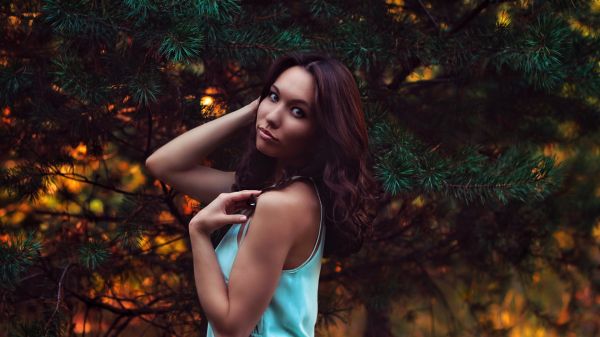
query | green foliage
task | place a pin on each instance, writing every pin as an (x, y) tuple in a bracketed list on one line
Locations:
[(183, 43), (75, 20), (130, 235), (16, 255), (145, 87), (139, 10), (220, 10), (56, 324), (24, 182), (74, 80), (539, 53), (14, 79), (93, 254)]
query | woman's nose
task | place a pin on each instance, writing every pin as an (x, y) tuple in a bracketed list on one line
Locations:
[(274, 115)]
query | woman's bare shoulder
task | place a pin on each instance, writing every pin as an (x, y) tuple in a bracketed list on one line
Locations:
[(299, 198), (299, 190)]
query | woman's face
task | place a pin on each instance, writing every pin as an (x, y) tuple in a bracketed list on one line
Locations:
[(288, 114)]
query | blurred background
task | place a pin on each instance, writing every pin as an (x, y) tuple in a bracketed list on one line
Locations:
[(483, 119)]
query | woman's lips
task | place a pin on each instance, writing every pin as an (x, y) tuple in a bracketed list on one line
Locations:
[(265, 135)]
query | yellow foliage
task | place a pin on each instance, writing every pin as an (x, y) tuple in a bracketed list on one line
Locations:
[(208, 103), (13, 20), (10, 164), (177, 246), (583, 29), (530, 330), (206, 100), (5, 116), (596, 232), (568, 129), (135, 178), (78, 152), (165, 217), (418, 201), (423, 73), (189, 205), (145, 243), (394, 206), (503, 18), (97, 206), (564, 239), (72, 185), (123, 165), (148, 281), (525, 3), (563, 315), (16, 217), (507, 318), (211, 90), (70, 207), (536, 278), (80, 325), (171, 279), (395, 6), (97, 282), (559, 154)]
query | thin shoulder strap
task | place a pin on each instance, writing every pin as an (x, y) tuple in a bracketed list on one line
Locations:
[(245, 230)]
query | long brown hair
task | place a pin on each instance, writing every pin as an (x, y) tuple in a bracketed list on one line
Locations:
[(341, 162)]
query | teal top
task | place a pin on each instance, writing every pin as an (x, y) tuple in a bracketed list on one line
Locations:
[(292, 311)]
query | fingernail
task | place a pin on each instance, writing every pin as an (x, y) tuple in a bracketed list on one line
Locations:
[(242, 218)]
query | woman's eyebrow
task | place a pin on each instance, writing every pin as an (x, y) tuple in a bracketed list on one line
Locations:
[(297, 100)]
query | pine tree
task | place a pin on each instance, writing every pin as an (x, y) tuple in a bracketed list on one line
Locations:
[(483, 118)]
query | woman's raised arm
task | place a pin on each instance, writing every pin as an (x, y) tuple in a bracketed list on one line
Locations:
[(177, 162)]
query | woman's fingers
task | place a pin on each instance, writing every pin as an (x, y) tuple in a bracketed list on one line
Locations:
[(239, 200), (236, 206), (243, 195)]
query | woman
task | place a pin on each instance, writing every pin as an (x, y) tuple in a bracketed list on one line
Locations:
[(305, 171)]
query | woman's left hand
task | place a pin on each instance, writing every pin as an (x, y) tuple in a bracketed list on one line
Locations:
[(218, 213)]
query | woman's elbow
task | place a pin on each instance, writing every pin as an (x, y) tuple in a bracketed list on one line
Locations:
[(153, 166), (221, 333)]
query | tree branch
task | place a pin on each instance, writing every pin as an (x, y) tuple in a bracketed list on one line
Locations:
[(435, 24), (471, 15), (59, 297)]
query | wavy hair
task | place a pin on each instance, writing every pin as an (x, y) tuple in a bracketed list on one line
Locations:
[(341, 162)]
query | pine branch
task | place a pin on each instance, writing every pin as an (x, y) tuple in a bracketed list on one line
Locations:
[(83, 179), (18, 253), (462, 22), (168, 198), (144, 310), (433, 21)]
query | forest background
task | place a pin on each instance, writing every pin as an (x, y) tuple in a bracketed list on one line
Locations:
[(483, 121)]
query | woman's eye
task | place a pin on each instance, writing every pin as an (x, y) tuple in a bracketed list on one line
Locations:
[(301, 112), (274, 99)]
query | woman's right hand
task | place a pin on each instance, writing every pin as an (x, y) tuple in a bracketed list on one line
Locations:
[(254, 105), (250, 111)]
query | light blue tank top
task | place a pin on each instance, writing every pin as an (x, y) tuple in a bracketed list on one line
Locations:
[(292, 311)]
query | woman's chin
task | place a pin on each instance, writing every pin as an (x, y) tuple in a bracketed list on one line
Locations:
[(264, 149)]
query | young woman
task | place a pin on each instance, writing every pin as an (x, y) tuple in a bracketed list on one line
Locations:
[(304, 184)]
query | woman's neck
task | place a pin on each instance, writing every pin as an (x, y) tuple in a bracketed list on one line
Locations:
[(279, 170)]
